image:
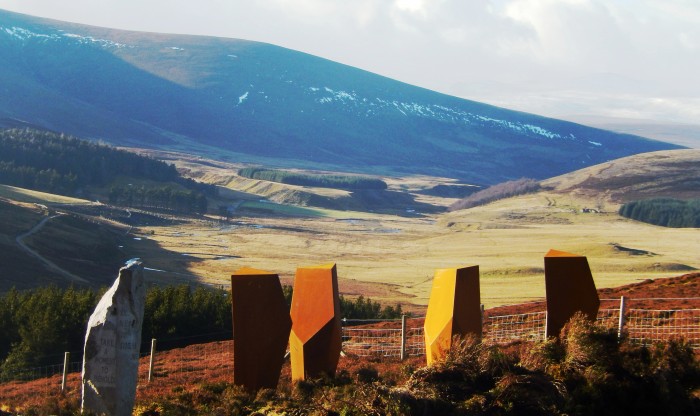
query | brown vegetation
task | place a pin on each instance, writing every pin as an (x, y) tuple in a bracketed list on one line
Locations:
[(588, 372), (671, 174), (496, 192)]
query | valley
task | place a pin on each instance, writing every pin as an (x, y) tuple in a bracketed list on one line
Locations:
[(400, 254), (507, 238), (390, 255)]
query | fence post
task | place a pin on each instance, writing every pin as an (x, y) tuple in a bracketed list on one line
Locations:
[(150, 364), (621, 323), (66, 362), (403, 337)]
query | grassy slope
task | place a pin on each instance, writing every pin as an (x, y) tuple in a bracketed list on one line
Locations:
[(648, 175), (37, 197)]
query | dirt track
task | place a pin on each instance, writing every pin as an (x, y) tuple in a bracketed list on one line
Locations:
[(48, 263)]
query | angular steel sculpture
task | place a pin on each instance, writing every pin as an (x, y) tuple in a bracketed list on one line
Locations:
[(112, 345), (454, 308), (315, 340), (261, 325), (570, 289)]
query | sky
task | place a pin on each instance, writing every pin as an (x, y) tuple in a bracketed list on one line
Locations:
[(571, 59)]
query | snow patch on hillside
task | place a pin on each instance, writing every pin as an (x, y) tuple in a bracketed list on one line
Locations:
[(369, 107), (100, 42), (342, 96), (26, 34)]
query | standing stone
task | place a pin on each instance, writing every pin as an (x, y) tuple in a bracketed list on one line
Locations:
[(315, 340), (261, 325), (454, 308), (112, 344), (570, 289)]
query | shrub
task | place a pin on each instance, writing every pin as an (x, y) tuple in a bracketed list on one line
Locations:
[(367, 375), (496, 192)]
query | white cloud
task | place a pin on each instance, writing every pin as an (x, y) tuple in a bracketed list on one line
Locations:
[(413, 6)]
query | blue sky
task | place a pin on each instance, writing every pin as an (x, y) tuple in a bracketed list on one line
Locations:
[(632, 59)]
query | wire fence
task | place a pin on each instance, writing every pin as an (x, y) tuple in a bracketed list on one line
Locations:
[(639, 326), (645, 327), (383, 339), (508, 328), (195, 363), (384, 342)]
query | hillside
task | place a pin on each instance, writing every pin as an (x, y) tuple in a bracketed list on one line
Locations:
[(40, 246), (245, 101), (197, 378), (66, 165), (674, 174)]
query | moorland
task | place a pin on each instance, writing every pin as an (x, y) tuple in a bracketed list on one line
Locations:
[(386, 243)]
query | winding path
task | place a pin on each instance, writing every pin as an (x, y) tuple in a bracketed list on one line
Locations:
[(48, 263)]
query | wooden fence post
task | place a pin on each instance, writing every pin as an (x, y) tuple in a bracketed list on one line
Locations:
[(66, 363), (621, 323), (403, 337), (150, 364)]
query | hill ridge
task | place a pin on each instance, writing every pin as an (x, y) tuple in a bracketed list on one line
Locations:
[(243, 100)]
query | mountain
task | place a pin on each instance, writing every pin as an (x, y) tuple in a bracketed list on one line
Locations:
[(254, 102)]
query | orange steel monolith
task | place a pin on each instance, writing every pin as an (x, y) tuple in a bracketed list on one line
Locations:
[(261, 326), (315, 340), (570, 289), (454, 308)]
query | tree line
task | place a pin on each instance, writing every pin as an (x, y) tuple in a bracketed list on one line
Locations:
[(666, 212), (58, 163), (494, 193), (38, 325), (161, 197), (349, 182)]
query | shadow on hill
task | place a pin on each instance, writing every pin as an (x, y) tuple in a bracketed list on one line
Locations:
[(367, 200), (81, 245)]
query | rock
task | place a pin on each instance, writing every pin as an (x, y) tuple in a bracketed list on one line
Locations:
[(112, 345)]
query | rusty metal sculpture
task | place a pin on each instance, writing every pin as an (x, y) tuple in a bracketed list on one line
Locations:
[(454, 308), (315, 340), (570, 289), (261, 326)]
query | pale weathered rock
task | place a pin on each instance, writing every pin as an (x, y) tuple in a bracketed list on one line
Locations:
[(112, 344)]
